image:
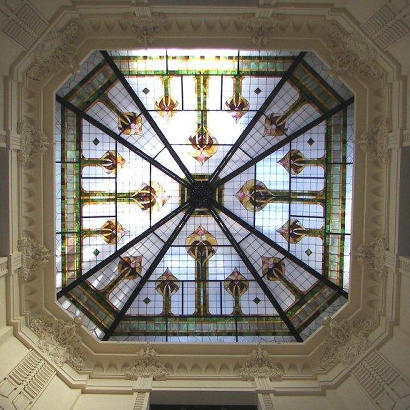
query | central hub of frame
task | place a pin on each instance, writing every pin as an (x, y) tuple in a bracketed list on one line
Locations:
[(201, 194)]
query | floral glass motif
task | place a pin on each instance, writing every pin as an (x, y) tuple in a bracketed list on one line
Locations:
[(192, 207), (236, 285), (167, 285), (129, 123), (166, 105), (238, 104)]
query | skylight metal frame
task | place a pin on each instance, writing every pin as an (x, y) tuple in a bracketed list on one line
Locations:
[(214, 207)]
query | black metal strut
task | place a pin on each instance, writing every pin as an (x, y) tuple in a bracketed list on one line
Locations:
[(254, 273), (283, 251), (285, 141), (148, 273), (120, 251), (257, 116), (121, 140), (146, 114)]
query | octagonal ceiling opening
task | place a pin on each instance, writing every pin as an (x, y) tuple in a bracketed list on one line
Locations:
[(203, 195)]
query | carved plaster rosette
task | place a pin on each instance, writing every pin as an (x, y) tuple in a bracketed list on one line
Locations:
[(260, 365), (147, 364), (345, 341), (259, 28), (59, 340), (57, 52), (351, 53), (373, 254), (32, 255), (144, 26), (32, 142), (375, 142)]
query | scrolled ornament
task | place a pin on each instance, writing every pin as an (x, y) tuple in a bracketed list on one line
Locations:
[(345, 341), (57, 52), (60, 340), (260, 365), (33, 254), (147, 364)]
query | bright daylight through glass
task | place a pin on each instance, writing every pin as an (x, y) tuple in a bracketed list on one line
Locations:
[(203, 195)]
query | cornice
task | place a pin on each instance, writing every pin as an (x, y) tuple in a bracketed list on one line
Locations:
[(297, 363)]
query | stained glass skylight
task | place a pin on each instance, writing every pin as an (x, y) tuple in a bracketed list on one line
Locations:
[(203, 195)]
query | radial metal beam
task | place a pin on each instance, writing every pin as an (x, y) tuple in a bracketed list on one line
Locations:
[(146, 114), (120, 251), (256, 117), (148, 274), (283, 251), (254, 273), (285, 141), (121, 140)]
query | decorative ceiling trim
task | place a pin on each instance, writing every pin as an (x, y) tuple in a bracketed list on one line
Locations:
[(260, 365), (351, 57), (33, 141), (33, 254), (60, 341), (259, 28), (375, 141), (143, 25), (373, 255), (345, 341), (352, 53), (24, 24), (57, 52), (147, 364)]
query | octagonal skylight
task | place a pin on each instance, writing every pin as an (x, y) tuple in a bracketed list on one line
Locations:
[(203, 195)]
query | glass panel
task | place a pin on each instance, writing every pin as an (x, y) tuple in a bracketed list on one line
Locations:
[(262, 252)]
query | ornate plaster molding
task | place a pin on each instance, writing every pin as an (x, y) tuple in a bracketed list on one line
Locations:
[(185, 27), (32, 142), (144, 25), (373, 254), (57, 52), (345, 341), (351, 53), (259, 365), (33, 254), (259, 28), (147, 364), (375, 141), (59, 340)]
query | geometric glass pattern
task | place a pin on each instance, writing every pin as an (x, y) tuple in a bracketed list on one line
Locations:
[(203, 195)]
